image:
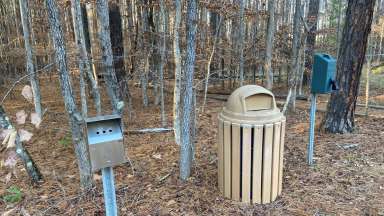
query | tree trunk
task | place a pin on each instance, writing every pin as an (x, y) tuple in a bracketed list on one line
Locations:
[(162, 61), (143, 44), (368, 70), (84, 63), (290, 104), (312, 17), (241, 41), (117, 45), (177, 87), (340, 116), (107, 56), (269, 43), (186, 147), (29, 164), (75, 119), (92, 36), (24, 12)]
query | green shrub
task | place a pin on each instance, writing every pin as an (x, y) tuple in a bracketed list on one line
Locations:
[(14, 195), (65, 141)]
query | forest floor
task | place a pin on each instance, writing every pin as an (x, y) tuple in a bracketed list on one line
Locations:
[(344, 181)]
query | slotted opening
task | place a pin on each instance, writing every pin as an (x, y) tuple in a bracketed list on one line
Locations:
[(241, 163), (259, 102), (262, 162), (252, 168)]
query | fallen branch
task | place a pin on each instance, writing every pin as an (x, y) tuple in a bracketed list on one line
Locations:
[(150, 130)]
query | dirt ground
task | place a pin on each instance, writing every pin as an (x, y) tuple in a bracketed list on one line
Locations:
[(343, 181)]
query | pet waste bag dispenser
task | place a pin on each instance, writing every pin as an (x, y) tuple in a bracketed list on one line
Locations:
[(105, 139), (324, 72), (323, 82), (250, 146)]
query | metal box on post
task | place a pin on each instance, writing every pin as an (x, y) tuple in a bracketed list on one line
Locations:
[(105, 140), (323, 76), (251, 146)]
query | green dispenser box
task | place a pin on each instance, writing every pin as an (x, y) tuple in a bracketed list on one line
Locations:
[(323, 74)]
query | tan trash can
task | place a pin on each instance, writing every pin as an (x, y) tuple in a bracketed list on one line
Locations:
[(250, 146)]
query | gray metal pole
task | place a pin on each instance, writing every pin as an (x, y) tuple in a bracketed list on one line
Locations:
[(109, 192), (311, 129)]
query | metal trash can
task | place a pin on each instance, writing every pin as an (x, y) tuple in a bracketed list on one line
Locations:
[(250, 146)]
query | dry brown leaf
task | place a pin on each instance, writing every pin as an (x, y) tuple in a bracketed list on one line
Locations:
[(171, 202), (97, 177), (35, 119), (20, 117), (25, 135), (157, 156), (27, 93)]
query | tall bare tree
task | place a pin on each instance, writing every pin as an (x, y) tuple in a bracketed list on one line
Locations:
[(177, 87), (163, 47), (76, 120), (340, 116), (269, 44), (290, 103), (241, 40), (312, 17), (84, 63), (186, 147), (107, 56), (24, 13)]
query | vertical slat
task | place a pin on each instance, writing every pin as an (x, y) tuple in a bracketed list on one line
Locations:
[(267, 163), (275, 160), (282, 134), (220, 152), (257, 163), (246, 164), (236, 162), (227, 159)]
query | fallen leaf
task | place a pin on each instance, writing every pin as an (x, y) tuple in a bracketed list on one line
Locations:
[(171, 202), (71, 176), (4, 133), (20, 117), (157, 156), (10, 139), (97, 177), (8, 178), (27, 93), (24, 212), (35, 119), (11, 160), (9, 212), (25, 135)]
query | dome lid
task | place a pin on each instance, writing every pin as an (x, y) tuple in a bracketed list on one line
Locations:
[(251, 104)]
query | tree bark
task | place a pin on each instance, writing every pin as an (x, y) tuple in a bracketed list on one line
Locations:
[(107, 56), (269, 44), (84, 63), (92, 37), (143, 44), (340, 116), (241, 41), (76, 121), (177, 87), (24, 13), (186, 147), (290, 104), (312, 17), (162, 61)]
